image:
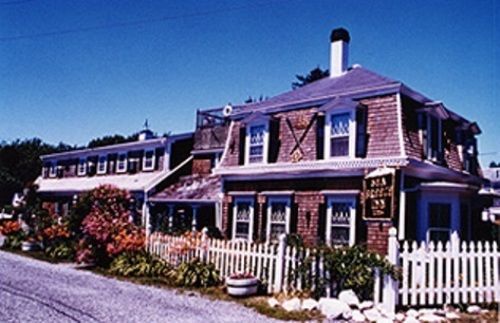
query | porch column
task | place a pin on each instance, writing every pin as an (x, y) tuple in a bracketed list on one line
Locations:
[(261, 233), (194, 222), (170, 212)]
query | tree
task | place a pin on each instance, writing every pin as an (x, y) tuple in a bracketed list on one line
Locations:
[(111, 140), (313, 76), (493, 164)]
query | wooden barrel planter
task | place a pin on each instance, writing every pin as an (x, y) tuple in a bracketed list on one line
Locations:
[(241, 286)]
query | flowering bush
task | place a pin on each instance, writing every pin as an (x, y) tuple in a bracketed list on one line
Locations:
[(106, 230), (13, 233), (247, 275), (58, 242)]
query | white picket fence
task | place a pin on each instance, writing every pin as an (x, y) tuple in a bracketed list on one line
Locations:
[(274, 264), (453, 273)]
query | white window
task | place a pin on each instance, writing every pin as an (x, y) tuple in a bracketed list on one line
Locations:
[(341, 221), (243, 213), (82, 166), (431, 136), (256, 143), (340, 134), (52, 169), (121, 164), (439, 222), (278, 217), (148, 162), (102, 165)]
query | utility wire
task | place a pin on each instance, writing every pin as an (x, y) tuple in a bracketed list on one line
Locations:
[(132, 22)]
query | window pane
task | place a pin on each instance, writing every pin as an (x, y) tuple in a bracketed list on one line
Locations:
[(339, 146), (257, 135), (439, 235), (340, 236), (340, 124), (243, 211), (276, 230), (278, 212), (439, 215), (242, 229), (341, 213)]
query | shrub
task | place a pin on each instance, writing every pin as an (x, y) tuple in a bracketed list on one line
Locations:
[(64, 250), (139, 264), (14, 235), (58, 242), (197, 274), (106, 230)]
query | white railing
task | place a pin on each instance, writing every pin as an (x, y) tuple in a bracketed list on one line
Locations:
[(276, 265), (450, 273)]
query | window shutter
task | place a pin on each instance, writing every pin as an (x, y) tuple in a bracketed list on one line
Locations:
[(274, 141), (241, 152), (361, 135), (320, 137), (422, 127)]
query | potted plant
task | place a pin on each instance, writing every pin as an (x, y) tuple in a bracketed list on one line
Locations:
[(30, 244), (242, 284)]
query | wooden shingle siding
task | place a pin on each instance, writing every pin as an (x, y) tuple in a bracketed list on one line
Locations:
[(382, 128)]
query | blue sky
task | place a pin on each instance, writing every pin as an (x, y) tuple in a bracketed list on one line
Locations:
[(187, 55)]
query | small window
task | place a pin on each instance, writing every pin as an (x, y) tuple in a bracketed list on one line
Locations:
[(439, 222), (82, 166), (243, 218), (339, 135), (102, 165), (149, 160), (121, 165), (52, 169), (278, 218), (256, 147), (341, 216)]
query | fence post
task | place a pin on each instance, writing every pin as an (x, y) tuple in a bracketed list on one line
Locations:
[(204, 244), (280, 264), (390, 292)]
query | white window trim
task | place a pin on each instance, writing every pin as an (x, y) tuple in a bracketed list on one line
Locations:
[(99, 163), (352, 218), (244, 199), (352, 132), (270, 200), (153, 160), (265, 147), (52, 169), (79, 171), (125, 163), (429, 137)]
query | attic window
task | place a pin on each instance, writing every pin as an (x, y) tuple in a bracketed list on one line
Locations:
[(82, 166), (102, 165), (149, 160), (52, 169), (257, 143), (340, 133), (121, 165)]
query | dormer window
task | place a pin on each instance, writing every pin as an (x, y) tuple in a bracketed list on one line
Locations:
[(82, 167), (102, 165), (121, 165), (431, 135), (340, 134), (52, 169), (148, 162), (257, 142)]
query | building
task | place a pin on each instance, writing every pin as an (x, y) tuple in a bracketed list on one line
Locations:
[(491, 195), (141, 167), (344, 158)]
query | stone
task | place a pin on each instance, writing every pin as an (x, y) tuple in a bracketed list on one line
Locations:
[(473, 309), (372, 314), (384, 320), (424, 311), (347, 315), (400, 317), (431, 318), (452, 316), (309, 304), (365, 305), (332, 308), (273, 302), (357, 316), (291, 305), (348, 296), (411, 319), (411, 313)]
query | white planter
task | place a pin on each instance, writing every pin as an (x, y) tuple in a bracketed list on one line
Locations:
[(29, 246), (242, 286)]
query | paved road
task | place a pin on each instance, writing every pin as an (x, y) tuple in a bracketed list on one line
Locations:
[(35, 291)]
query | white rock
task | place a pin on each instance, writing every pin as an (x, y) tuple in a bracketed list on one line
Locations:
[(348, 296), (399, 317), (387, 315), (365, 305), (411, 319), (384, 320), (431, 318), (291, 304), (411, 313), (424, 311), (372, 314), (309, 304), (347, 315), (357, 316), (473, 309), (332, 308), (452, 316), (273, 302)]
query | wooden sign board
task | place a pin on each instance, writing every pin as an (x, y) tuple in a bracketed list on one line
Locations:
[(380, 191)]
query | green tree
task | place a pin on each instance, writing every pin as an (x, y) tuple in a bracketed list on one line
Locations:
[(493, 164), (313, 76), (111, 140)]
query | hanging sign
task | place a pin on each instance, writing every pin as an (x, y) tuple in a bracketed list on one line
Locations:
[(380, 189)]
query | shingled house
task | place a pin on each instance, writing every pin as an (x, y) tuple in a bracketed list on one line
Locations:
[(141, 167), (344, 158)]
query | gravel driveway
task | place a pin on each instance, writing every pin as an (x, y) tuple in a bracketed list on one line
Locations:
[(35, 291)]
